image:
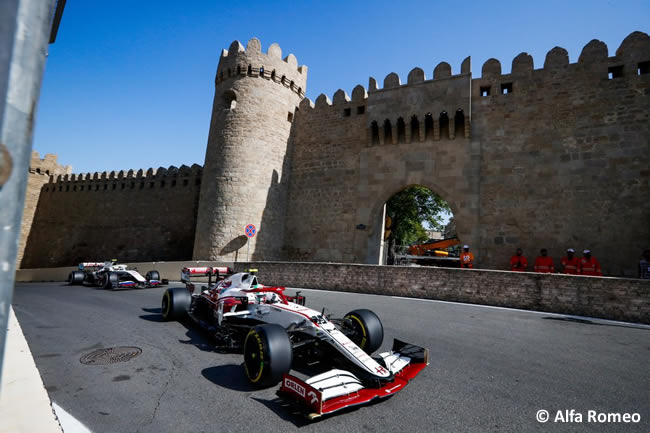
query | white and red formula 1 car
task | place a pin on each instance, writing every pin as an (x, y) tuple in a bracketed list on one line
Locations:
[(277, 331), (111, 275)]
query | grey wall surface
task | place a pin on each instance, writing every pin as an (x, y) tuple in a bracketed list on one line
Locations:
[(609, 298)]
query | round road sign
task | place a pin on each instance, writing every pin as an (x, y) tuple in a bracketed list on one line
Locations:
[(250, 230)]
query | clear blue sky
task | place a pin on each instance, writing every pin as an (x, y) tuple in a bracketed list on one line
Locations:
[(129, 84)]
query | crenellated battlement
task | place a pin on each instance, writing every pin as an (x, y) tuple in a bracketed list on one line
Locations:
[(559, 148), (161, 177), (360, 94), (439, 107), (631, 61), (633, 55), (48, 165), (238, 62), (417, 111)]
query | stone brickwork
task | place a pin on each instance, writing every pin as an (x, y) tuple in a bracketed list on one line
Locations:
[(246, 163), (553, 157), (124, 215), (564, 156), (40, 171), (608, 298), (350, 156)]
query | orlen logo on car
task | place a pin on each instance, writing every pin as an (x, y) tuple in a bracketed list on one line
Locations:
[(299, 389)]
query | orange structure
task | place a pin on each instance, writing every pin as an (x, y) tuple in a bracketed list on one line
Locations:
[(544, 263), (589, 265)]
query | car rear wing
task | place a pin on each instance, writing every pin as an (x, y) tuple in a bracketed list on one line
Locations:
[(337, 389), (216, 272), (85, 265), (297, 298)]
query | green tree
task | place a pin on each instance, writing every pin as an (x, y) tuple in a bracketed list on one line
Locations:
[(411, 210)]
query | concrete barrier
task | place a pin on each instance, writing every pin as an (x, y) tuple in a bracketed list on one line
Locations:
[(622, 299), (167, 270)]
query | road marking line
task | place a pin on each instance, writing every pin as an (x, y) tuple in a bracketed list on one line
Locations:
[(69, 423)]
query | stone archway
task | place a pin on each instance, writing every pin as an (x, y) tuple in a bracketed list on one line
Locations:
[(384, 171), (412, 203)]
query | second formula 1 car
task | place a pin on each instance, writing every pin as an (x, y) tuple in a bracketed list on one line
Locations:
[(111, 275), (276, 331)]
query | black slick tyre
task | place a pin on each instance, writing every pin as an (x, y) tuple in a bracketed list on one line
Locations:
[(267, 355), (75, 278), (153, 275), (110, 281), (175, 303), (368, 332)]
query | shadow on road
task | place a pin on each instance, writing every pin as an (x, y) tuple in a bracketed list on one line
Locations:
[(155, 317), (287, 411), (196, 336), (229, 376), (297, 415), (198, 339)]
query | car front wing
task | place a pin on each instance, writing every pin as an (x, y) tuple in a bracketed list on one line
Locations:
[(338, 389)]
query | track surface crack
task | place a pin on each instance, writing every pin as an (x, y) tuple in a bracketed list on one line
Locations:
[(170, 377)]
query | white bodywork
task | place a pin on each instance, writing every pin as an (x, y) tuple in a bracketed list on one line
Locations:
[(136, 275), (336, 382), (267, 306), (113, 267), (110, 267)]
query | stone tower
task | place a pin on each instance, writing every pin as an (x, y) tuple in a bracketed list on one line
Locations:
[(244, 177)]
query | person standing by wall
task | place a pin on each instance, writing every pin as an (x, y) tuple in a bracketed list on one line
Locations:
[(466, 258), (518, 262), (589, 265), (544, 263), (570, 263), (644, 266)]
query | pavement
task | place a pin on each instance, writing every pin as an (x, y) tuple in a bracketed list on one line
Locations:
[(491, 369), (24, 404)]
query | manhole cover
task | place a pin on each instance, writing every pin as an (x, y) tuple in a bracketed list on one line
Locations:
[(111, 355)]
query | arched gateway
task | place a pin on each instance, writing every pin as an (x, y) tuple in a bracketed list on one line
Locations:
[(550, 155), (528, 159)]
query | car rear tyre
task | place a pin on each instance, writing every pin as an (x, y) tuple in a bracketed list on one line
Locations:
[(367, 330), (75, 278), (153, 275), (111, 280), (175, 303), (267, 354)]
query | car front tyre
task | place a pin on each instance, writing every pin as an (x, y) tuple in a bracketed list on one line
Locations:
[(367, 330), (267, 355)]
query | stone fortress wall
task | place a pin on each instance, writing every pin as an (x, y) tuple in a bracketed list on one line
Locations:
[(246, 166), (552, 157), (41, 171), (99, 216), (351, 155)]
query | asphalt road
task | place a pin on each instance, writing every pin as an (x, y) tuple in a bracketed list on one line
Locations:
[(490, 370)]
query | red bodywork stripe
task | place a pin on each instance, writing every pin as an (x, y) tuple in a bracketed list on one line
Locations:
[(278, 290), (362, 396)]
